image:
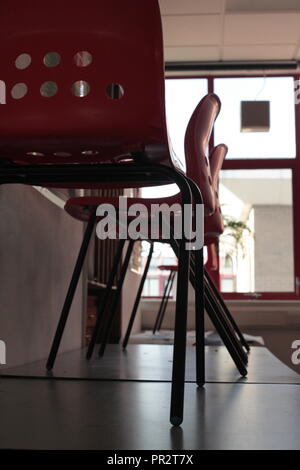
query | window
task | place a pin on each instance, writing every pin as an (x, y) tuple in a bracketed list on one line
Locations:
[(261, 203), (157, 278), (256, 248), (279, 141), (182, 97)]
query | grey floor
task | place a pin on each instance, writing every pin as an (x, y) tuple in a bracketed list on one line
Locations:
[(153, 362), (122, 402)]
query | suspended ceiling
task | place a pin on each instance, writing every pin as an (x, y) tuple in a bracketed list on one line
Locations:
[(231, 30)]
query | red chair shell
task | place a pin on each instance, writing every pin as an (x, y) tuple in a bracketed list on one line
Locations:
[(196, 147), (123, 110)]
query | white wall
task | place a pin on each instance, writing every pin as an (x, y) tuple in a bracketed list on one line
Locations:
[(253, 314), (130, 288), (39, 244)]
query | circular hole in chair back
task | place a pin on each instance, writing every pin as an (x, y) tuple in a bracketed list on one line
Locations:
[(19, 91), (83, 59), (80, 89), (52, 59), (49, 89), (115, 91), (23, 61)]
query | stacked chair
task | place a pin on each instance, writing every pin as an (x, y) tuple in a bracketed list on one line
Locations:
[(85, 109), (213, 228)]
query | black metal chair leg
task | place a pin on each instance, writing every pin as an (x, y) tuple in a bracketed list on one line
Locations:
[(103, 306), (226, 334), (225, 322), (197, 257), (226, 311), (179, 348), (138, 297), (109, 323), (162, 315), (226, 337), (196, 278), (71, 292), (199, 319), (162, 303), (218, 318)]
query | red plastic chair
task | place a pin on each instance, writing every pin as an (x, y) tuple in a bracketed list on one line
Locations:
[(85, 108)]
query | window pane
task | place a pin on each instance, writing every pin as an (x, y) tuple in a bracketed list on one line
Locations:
[(182, 97), (279, 141), (157, 278), (256, 249)]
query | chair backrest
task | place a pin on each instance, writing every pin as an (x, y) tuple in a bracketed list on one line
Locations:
[(84, 80), (196, 144), (216, 159), (213, 225)]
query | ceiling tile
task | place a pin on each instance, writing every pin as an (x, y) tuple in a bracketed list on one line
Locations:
[(180, 7), (198, 30), (297, 55), (265, 28), (253, 52), (206, 53), (262, 5)]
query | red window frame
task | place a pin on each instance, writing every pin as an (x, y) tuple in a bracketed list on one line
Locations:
[(265, 164), (262, 164)]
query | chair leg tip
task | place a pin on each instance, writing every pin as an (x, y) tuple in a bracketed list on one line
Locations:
[(176, 420)]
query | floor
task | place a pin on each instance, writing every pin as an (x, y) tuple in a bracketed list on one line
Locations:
[(122, 402)]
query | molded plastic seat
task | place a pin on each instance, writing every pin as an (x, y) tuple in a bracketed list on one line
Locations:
[(84, 82), (196, 145)]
